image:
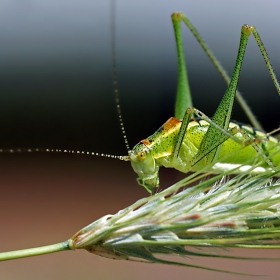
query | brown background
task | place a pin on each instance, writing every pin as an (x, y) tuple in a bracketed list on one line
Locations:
[(46, 199)]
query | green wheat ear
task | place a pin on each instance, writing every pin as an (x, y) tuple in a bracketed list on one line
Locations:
[(221, 212)]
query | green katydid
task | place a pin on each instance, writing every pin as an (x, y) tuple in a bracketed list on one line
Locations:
[(191, 145), (214, 145)]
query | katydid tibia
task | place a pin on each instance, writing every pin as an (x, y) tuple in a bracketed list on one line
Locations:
[(212, 145)]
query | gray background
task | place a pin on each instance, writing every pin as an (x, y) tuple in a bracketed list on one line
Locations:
[(56, 74), (56, 91)]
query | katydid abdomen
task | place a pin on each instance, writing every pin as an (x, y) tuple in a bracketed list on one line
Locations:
[(158, 150)]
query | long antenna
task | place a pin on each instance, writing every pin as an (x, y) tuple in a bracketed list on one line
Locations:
[(38, 150), (114, 64)]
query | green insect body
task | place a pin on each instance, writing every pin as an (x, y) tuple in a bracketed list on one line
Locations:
[(210, 145), (158, 149), (213, 145)]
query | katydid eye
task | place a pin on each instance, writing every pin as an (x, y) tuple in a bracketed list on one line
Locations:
[(141, 155)]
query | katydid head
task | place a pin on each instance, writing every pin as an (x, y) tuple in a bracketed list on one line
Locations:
[(144, 164)]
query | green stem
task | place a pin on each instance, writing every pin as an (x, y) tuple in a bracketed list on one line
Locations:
[(63, 246)]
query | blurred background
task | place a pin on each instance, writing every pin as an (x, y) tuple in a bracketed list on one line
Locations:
[(56, 91)]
